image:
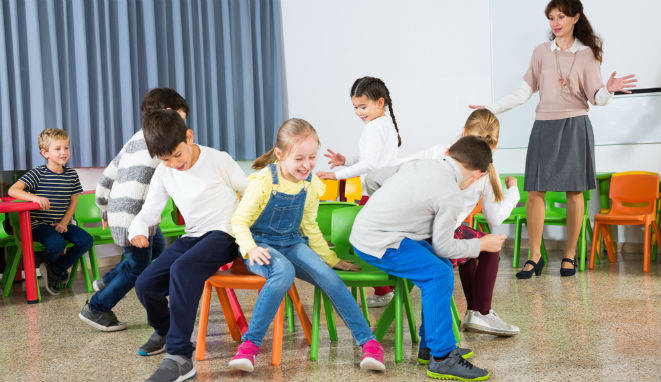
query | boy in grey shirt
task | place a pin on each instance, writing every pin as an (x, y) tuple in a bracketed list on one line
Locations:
[(414, 202)]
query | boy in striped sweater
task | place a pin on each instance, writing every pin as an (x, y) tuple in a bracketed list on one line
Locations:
[(120, 193), (55, 187)]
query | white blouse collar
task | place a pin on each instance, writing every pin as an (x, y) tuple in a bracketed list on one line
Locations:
[(576, 46)]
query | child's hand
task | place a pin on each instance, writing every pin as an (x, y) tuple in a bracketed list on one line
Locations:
[(44, 203), (60, 227), (326, 175), (510, 182), (259, 255), (347, 265), (476, 107), (104, 224), (336, 159), (140, 241), (492, 243)]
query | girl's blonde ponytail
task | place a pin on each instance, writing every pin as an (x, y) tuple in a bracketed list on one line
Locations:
[(265, 160), (495, 183)]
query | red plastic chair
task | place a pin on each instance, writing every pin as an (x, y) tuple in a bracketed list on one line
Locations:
[(633, 195)]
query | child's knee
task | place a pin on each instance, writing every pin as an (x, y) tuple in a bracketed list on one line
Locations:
[(282, 272)]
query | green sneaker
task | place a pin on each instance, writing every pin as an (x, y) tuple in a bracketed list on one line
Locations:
[(454, 366), (424, 354)]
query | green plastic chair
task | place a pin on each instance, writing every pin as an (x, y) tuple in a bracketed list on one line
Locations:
[(555, 214), (324, 214), (517, 217), (8, 242), (169, 225), (368, 276), (88, 217), (12, 264)]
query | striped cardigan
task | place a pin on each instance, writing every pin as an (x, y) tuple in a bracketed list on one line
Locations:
[(122, 188)]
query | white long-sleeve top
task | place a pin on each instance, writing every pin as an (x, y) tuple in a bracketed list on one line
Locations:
[(377, 148), (494, 212), (205, 194)]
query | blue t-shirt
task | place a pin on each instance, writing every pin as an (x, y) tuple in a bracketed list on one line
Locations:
[(58, 188)]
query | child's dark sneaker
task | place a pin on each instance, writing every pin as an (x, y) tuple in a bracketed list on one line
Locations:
[(106, 321), (51, 279), (173, 368), (154, 345), (424, 354), (455, 367), (372, 356), (244, 359)]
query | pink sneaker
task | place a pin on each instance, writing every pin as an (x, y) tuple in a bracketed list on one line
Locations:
[(372, 356), (245, 357)]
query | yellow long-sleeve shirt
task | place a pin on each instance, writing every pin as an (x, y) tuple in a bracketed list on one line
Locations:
[(257, 195)]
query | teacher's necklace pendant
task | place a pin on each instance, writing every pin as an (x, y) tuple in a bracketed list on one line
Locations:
[(564, 83)]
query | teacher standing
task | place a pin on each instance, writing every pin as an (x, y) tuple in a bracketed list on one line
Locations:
[(566, 71)]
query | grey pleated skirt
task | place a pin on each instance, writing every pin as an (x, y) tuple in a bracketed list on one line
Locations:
[(561, 156)]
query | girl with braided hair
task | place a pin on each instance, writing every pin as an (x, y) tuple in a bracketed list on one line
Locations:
[(379, 140)]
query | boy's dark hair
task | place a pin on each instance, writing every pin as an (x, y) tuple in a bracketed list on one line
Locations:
[(164, 130), (472, 152), (374, 88), (162, 98)]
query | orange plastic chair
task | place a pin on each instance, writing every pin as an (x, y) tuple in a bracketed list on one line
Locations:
[(238, 277), (332, 190), (353, 191), (476, 210), (633, 195)]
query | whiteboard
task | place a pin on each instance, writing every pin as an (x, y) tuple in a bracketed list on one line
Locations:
[(518, 26)]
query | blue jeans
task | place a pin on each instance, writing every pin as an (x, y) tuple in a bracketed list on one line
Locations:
[(158, 244), (416, 261), (180, 272), (56, 242), (301, 261), (121, 279)]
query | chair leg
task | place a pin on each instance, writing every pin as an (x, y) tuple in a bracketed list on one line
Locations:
[(278, 323), (517, 243), (11, 252), (409, 313), (363, 305), (455, 312), (302, 316), (354, 293), (289, 312), (8, 277), (93, 263), (316, 318), (542, 249), (657, 235), (72, 274), (455, 322), (608, 242), (399, 351), (596, 237), (384, 322), (229, 315), (86, 275), (646, 248), (241, 321), (582, 244), (330, 318), (205, 303)]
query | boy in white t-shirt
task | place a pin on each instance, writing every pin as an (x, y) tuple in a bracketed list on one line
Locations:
[(203, 182)]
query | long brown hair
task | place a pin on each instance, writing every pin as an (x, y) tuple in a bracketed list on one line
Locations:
[(290, 132), (374, 88), (582, 29), (484, 124)]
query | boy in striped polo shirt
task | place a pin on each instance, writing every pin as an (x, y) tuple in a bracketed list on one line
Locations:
[(55, 187)]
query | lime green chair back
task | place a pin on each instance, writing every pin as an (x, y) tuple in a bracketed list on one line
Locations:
[(88, 216), (6, 239), (324, 214), (341, 224), (168, 225)]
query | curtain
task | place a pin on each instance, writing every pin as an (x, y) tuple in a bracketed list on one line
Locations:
[(83, 66)]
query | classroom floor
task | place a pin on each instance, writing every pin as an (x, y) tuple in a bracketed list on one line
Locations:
[(603, 325)]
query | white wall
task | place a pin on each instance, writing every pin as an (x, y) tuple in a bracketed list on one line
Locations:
[(433, 56), (436, 58)]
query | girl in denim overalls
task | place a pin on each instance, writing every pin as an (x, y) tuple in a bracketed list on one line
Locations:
[(275, 227)]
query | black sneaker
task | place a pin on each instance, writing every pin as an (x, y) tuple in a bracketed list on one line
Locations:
[(106, 321), (154, 345), (51, 279), (173, 368), (424, 354), (455, 367)]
